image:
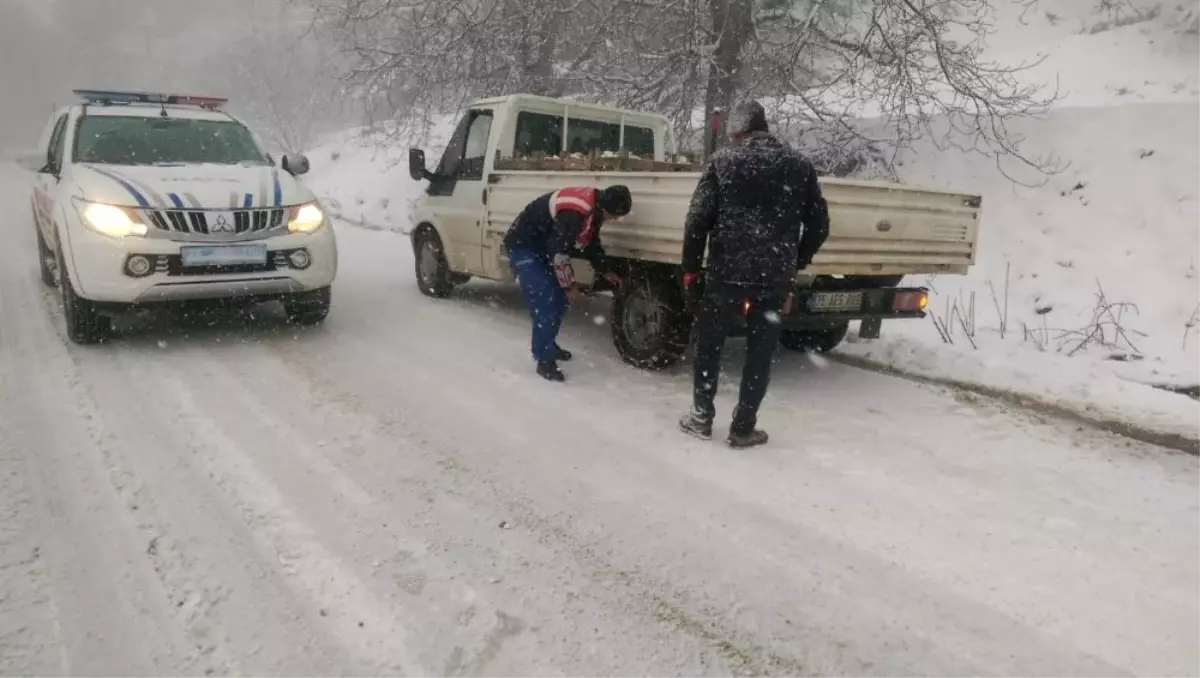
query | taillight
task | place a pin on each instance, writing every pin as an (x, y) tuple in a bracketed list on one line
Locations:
[(908, 302)]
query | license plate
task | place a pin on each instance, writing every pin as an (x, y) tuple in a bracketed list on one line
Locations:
[(223, 255), (835, 302)]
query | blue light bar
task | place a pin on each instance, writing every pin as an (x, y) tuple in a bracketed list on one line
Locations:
[(109, 97)]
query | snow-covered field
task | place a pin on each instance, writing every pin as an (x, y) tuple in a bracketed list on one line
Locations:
[(1085, 295), (397, 493)]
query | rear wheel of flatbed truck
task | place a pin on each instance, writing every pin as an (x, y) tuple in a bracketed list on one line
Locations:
[(650, 323)]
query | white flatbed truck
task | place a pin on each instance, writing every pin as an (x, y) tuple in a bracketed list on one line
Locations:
[(506, 151)]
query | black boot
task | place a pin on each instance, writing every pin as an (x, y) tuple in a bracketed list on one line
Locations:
[(696, 425), (561, 354), (548, 370), (744, 440)]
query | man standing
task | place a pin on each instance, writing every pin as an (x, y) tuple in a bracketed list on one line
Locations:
[(540, 245), (748, 210)]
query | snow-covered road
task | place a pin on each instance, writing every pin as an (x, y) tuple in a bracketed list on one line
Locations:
[(397, 493)]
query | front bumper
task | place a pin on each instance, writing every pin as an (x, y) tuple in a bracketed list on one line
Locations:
[(98, 269)]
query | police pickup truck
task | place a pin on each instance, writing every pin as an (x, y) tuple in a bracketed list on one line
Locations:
[(142, 198)]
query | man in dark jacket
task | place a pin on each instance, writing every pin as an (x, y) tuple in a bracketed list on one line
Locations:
[(540, 245), (748, 209)]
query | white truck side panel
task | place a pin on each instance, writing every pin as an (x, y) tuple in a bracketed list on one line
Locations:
[(876, 228)]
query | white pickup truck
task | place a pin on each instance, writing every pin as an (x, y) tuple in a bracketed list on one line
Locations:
[(508, 150)]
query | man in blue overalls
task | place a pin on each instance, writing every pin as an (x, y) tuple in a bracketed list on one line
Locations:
[(540, 245)]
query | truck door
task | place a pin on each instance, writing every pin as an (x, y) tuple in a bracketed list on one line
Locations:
[(456, 193)]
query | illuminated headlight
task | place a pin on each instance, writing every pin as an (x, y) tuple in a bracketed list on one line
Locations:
[(110, 220), (305, 218)]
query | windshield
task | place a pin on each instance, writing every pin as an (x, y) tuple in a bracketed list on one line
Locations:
[(132, 140)]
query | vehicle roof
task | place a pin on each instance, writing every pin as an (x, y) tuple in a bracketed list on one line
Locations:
[(155, 111)]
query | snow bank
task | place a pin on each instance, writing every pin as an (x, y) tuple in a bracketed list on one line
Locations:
[(361, 176), (1100, 263)]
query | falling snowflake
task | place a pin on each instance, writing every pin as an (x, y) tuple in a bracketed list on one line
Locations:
[(599, 319), (162, 343), (772, 317)]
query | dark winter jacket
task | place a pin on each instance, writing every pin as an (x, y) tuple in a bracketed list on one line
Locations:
[(760, 211), (559, 225)]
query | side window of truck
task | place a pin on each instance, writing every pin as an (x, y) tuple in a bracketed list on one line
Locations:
[(538, 133), (465, 153), (475, 152)]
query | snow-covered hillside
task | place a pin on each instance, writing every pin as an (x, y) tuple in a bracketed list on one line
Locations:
[(1091, 273)]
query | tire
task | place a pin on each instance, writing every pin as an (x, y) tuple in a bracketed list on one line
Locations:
[(433, 273), (650, 322), (823, 340), (308, 308), (84, 325), (47, 261)]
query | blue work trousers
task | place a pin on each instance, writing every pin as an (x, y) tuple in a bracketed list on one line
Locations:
[(547, 302)]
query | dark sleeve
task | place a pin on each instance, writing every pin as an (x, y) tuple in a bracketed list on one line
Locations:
[(594, 253), (701, 218), (567, 225), (815, 218)]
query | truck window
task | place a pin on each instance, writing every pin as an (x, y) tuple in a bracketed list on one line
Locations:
[(476, 149), (539, 133), (465, 153)]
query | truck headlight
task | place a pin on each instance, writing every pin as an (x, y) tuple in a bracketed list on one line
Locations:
[(110, 220), (305, 218)]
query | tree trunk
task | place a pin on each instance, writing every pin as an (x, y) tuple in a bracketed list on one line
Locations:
[(732, 26)]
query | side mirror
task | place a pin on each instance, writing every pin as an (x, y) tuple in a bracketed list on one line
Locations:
[(294, 164), (416, 165)]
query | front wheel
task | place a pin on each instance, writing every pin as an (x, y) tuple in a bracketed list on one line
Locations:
[(823, 340), (308, 308), (47, 261), (434, 277), (650, 323), (84, 324)]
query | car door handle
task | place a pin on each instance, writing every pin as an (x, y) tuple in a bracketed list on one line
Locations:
[(484, 196)]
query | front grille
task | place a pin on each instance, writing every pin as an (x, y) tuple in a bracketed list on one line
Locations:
[(210, 222), (172, 265)]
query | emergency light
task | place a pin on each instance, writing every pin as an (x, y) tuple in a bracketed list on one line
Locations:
[(110, 97)]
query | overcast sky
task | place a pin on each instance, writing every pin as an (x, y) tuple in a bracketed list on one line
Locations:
[(198, 46)]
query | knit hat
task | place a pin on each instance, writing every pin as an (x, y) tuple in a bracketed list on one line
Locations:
[(746, 117), (616, 200)]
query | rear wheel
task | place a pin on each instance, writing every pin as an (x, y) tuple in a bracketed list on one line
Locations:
[(308, 308), (823, 340), (433, 273), (84, 324), (650, 323)]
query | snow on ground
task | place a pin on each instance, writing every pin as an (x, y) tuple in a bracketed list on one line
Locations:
[(396, 493)]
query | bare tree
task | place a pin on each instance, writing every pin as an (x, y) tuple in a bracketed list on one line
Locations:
[(857, 80)]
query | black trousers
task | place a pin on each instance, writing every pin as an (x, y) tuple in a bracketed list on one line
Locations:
[(714, 320)]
